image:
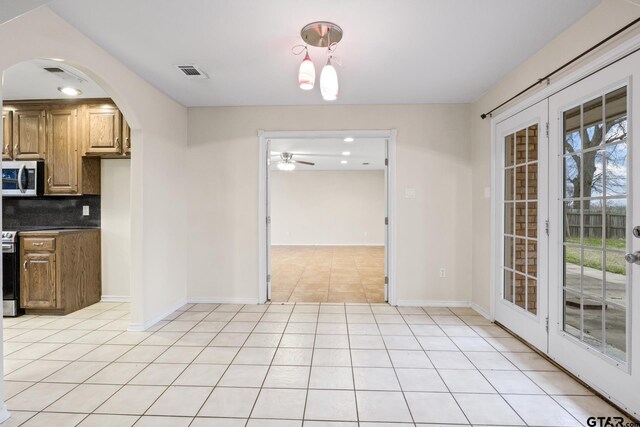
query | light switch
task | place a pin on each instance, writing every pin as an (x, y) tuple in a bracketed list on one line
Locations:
[(85, 210), (409, 193)]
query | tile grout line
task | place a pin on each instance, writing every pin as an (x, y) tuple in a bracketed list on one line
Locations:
[(272, 358)]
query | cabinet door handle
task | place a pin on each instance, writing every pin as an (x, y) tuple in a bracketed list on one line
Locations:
[(25, 265), (49, 180), (128, 142), (6, 149), (117, 143), (15, 149)]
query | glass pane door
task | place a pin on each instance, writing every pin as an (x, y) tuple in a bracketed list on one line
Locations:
[(594, 196), (520, 269), (595, 151), (522, 242)]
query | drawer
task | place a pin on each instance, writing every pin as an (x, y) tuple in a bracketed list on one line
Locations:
[(39, 243)]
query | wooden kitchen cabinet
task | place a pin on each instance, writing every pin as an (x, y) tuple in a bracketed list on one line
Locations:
[(61, 270), (61, 149), (103, 130), (29, 133), (7, 135), (38, 282)]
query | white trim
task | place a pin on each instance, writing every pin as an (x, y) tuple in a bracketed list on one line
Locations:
[(207, 300), (484, 313), (115, 298), (433, 303), (594, 64), (263, 136), (376, 245), (141, 327)]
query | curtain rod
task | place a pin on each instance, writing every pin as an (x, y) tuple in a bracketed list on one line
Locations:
[(562, 67)]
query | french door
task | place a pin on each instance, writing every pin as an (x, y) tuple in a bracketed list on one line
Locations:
[(594, 205), (521, 263)]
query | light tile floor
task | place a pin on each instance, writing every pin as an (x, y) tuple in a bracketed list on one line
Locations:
[(327, 274), (280, 364)]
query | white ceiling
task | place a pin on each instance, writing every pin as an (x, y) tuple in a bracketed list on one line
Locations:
[(10, 9), (29, 80), (409, 51), (326, 153)]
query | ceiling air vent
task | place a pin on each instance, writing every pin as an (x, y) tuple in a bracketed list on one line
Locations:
[(192, 72), (64, 74), (54, 69)]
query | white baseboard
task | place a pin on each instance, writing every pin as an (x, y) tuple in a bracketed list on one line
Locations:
[(141, 327), (115, 298), (329, 244), (207, 300), (432, 303), (484, 313)]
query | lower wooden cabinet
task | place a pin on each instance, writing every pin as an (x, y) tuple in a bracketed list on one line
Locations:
[(61, 270), (39, 290)]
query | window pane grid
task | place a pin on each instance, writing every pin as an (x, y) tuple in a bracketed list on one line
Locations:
[(521, 218), (594, 203)]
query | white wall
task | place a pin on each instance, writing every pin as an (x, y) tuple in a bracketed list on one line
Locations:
[(159, 137), (603, 20), (115, 209), (327, 208), (433, 230)]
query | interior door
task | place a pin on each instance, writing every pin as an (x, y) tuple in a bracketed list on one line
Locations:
[(268, 219), (386, 221), (521, 249), (595, 203)]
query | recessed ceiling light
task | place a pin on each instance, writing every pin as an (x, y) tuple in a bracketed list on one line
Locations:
[(70, 91), (346, 153), (344, 162), (348, 139), (365, 164)]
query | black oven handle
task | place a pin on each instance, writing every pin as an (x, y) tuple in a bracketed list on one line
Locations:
[(20, 172)]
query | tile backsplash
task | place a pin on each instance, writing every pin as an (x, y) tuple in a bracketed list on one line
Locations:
[(50, 211)]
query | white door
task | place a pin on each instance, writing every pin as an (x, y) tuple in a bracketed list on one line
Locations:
[(386, 220), (595, 203), (268, 219), (521, 212)]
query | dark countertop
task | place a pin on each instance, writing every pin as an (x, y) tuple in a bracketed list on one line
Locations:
[(50, 228), (56, 231)]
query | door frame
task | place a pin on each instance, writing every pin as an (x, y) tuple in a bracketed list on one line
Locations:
[(263, 172), (580, 72)]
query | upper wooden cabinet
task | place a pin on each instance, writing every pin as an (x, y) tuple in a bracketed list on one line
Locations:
[(103, 130), (29, 133), (7, 135), (61, 160)]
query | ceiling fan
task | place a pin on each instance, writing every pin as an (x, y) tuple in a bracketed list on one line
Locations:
[(288, 164)]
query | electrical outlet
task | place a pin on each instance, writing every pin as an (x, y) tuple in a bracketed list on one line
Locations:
[(85, 210), (443, 272)]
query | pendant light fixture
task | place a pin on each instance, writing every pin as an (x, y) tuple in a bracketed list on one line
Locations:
[(306, 73), (325, 35), (329, 82)]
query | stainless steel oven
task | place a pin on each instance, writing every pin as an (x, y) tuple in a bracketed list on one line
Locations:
[(11, 274), (23, 178)]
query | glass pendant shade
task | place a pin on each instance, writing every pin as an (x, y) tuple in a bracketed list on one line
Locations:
[(306, 74), (329, 82)]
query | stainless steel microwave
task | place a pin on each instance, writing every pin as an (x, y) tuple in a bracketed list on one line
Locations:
[(23, 178)]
